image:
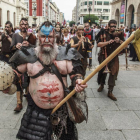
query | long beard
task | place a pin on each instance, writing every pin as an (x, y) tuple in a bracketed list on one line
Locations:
[(47, 54)]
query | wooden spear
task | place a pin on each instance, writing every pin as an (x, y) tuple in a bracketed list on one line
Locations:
[(106, 61)]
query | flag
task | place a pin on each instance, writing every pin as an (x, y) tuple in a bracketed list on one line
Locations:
[(136, 43)]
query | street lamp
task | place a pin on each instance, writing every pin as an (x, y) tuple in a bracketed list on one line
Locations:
[(34, 15), (89, 9), (101, 13)]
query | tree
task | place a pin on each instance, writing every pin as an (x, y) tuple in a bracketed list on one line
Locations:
[(92, 18), (71, 23)]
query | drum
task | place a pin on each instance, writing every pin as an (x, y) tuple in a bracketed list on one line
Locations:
[(6, 75)]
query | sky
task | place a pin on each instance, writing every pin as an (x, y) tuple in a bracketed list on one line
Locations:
[(66, 6)]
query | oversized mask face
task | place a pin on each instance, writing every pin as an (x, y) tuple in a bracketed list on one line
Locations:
[(47, 36)]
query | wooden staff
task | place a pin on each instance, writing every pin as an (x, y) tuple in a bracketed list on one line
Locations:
[(126, 58), (107, 60)]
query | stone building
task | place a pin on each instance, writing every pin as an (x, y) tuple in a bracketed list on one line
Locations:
[(126, 12), (61, 17), (37, 11), (53, 13), (74, 14), (100, 8), (12, 10)]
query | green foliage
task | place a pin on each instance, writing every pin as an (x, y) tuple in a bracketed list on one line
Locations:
[(71, 23), (92, 18)]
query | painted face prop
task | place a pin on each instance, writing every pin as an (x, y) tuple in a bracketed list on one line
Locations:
[(47, 36)]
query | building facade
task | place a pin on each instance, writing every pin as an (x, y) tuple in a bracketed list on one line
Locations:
[(37, 11), (74, 14), (61, 17), (12, 10), (53, 12), (100, 8), (78, 11), (126, 12)]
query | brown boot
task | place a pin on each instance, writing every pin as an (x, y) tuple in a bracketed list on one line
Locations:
[(111, 96), (19, 102), (100, 89), (18, 108)]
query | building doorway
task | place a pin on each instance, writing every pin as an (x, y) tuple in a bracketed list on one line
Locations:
[(130, 15), (8, 15)]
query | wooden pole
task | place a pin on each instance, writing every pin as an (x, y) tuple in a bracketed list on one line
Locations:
[(106, 61)]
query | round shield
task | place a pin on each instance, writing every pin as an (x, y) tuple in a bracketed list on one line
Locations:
[(6, 75)]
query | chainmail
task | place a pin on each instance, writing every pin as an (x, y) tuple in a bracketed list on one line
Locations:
[(62, 114)]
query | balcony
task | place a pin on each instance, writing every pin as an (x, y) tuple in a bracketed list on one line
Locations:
[(115, 1), (21, 5), (9, 2)]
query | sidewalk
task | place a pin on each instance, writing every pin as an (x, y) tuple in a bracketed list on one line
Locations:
[(114, 120), (108, 120)]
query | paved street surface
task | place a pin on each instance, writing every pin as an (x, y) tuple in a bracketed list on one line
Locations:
[(108, 120)]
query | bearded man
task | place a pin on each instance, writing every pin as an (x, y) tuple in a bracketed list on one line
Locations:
[(109, 40), (22, 38), (81, 44), (88, 32), (43, 65)]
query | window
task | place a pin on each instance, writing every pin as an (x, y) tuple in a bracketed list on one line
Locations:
[(94, 10), (27, 12), (14, 19), (99, 10), (81, 3), (90, 2), (106, 2), (99, 2), (85, 2), (105, 10), (106, 17), (95, 2), (8, 15), (85, 10)]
